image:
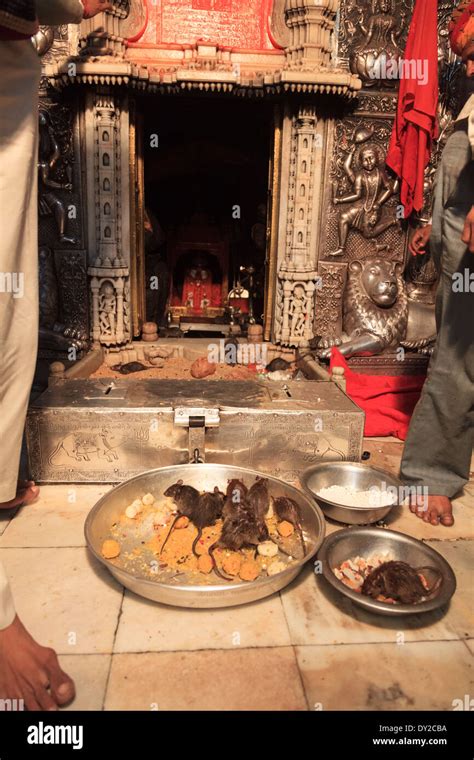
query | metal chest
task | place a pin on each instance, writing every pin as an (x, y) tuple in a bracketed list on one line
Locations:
[(107, 431)]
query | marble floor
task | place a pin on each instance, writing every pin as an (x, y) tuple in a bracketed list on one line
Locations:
[(307, 648)]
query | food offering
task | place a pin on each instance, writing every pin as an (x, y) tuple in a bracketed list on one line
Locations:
[(387, 580), (206, 537)]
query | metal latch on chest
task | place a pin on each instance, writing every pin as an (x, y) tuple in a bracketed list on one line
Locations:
[(196, 419)]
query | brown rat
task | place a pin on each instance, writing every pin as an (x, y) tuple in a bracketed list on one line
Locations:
[(236, 494), (129, 367), (241, 528), (287, 509), (208, 509), (398, 581), (186, 499), (259, 498)]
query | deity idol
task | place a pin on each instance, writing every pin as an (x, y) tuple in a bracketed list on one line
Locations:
[(371, 189)]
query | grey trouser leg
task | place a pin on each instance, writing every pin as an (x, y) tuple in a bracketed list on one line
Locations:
[(438, 448)]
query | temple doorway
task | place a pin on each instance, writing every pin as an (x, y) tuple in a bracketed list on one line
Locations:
[(205, 208)]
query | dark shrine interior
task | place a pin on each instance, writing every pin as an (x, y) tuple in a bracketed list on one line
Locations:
[(206, 165)]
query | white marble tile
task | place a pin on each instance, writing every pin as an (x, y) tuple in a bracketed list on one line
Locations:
[(243, 679), (470, 645), (56, 518), (460, 555), (416, 676), (6, 516), (65, 598), (89, 673), (146, 626)]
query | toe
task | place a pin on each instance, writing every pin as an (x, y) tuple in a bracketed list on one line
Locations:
[(29, 494), (31, 703), (434, 517), (447, 519), (62, 687), (44, 698)]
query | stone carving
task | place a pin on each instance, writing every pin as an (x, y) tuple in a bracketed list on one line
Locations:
[(49, 159), (109, 273), (131, 25), (297, 272), (372, 33), (421, 278), (376, 103), (311, 26), (327, 327), (53, 43), (53, 335), (43, 39), (358, 177), (301, 187), (298, 311), (376, 309), (369, 190), (278, 26), (102, 34), (295, 301), (71, 268)]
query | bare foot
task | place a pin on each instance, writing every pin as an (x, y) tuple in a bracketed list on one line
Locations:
[(26, 493), (433, 509), (31, 672)]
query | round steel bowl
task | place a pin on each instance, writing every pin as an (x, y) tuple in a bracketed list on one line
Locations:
[(355, 475), (353, 542), (202, 477)]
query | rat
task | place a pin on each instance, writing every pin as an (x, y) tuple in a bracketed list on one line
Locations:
[(127, 369), (287, 509), (398, 581), (241, 528), (208, 509), (186, 499), (259, 498), (279, 364), (236, 494)]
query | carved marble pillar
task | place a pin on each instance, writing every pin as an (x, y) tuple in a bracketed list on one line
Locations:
[(311, 23), (109, 234), (301, 181), (101, 35)]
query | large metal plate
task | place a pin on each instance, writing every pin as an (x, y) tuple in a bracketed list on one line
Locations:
[(179, 592)]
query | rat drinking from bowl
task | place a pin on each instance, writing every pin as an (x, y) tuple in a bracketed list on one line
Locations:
[(387, 580)]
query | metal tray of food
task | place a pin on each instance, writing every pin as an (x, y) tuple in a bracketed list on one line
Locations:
[(183, 589)]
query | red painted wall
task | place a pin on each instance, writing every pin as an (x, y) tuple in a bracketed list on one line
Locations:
[(229, 23)]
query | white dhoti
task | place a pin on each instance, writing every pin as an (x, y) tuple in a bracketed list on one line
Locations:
[(19, 80)]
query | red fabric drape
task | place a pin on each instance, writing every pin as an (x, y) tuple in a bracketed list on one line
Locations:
[(415, 125), (387, 400)]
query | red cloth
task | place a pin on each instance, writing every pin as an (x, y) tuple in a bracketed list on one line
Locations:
[(387, 400), (461, 26), (415, 125)]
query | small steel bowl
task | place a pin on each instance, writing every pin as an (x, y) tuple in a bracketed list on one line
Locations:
[(360, 477), (363, 542)]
